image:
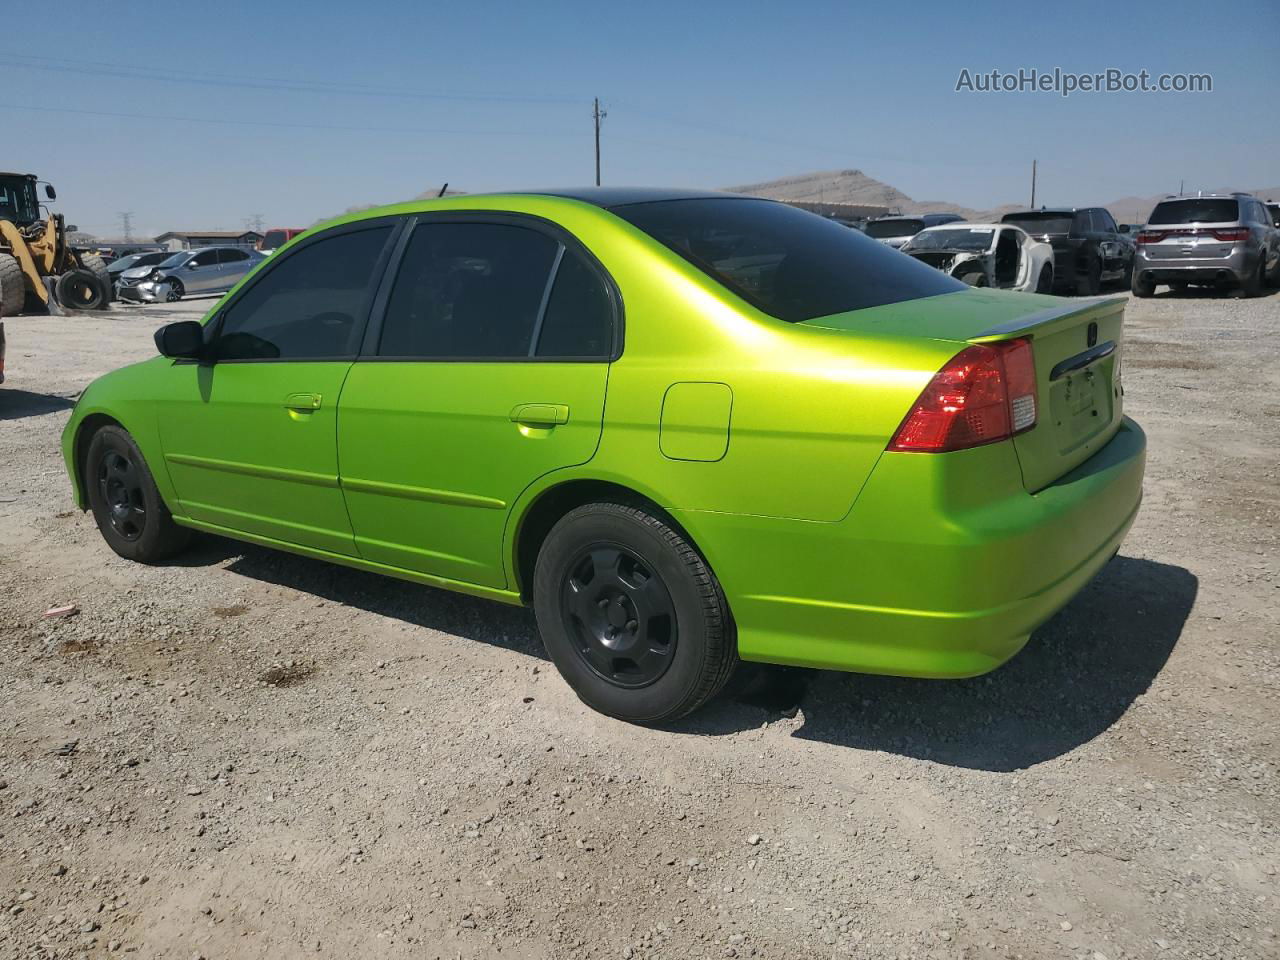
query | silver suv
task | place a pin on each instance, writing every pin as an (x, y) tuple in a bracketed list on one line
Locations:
[(1223, 241)]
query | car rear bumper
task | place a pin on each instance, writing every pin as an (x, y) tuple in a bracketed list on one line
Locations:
[(1229, 269), (943, 568)]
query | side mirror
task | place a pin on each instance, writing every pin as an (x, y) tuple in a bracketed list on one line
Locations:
[(192, 265), (1123, 228), (183, 340), (49, 192)]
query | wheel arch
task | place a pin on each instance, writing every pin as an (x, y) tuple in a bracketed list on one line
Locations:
[(85, 430), (544, 508)]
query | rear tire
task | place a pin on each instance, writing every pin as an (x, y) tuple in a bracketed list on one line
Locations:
[(125, 502), (974, 278), (1140, 287), (1256, 283), (13, 289), (631, 615), (1045, 283), (81, 290)]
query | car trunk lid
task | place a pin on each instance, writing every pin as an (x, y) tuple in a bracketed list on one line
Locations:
[(1077, 346)]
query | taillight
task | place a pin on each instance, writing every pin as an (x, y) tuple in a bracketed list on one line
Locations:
[(1150, 236), (985, 393), (1232, 235)]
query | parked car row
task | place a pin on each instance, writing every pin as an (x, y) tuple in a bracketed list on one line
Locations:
[(1228, 241), (207, 270)]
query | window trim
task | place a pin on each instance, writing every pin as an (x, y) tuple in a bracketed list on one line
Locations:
[(376, 279), (565, 240)]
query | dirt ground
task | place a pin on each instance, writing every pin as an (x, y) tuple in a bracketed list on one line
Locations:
[(248, 754)]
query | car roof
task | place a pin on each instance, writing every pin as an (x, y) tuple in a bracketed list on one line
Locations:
[(1049, 210), (610, 197)]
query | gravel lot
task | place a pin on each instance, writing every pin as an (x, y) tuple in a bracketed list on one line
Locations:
[(249, 754)]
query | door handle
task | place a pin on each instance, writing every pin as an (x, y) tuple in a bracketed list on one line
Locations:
[(540, 414), (302, 401)]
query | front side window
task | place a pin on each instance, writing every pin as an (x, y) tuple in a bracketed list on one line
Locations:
[(788, 263), (309, 305), (206, 258)]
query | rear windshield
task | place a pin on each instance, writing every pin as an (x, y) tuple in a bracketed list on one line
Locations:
[(275, 239), (1195, 210), (967, 238), (883, 229), (1039, 223), (791, 264)]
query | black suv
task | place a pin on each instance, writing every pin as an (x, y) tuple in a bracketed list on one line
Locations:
[(1088, 248)]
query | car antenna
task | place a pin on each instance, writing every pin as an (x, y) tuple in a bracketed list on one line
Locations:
[(442, 190)]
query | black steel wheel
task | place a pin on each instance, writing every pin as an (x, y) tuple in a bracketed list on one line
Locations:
[(126, 505), (620, 615), (630, 613), (120, 486)]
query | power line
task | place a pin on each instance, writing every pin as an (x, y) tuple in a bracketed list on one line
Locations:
[(434, 131), (253, 222), (133, 72)]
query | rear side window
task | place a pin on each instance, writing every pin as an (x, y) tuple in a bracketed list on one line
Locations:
[(1195, 210), (468, 290), (308, 305), (579, 316), (232, 256), (1040, 223), (790, 264)]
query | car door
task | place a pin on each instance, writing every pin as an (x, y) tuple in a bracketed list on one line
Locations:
[(486, 370), (200, 274), (1111, 243), (249, 435), (232, 265)]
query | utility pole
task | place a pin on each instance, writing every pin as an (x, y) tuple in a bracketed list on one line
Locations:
[(597, 114), (253, 222), (1033, 184), (1181, 184), (126, 225)]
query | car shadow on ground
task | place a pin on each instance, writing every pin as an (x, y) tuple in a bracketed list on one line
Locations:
[(1077, 676), (17, 404), (488, 621)]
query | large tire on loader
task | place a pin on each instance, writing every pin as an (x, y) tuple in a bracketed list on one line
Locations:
[(13, 291), (98, 267)]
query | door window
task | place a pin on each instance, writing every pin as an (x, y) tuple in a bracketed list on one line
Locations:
[(227, 255), (1105, 223), (309, 305), (469, 290), (208, 258)]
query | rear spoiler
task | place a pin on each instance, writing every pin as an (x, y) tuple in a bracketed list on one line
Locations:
[(1064, 315)]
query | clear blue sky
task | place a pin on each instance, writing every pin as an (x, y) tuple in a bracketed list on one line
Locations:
[(324, 105)]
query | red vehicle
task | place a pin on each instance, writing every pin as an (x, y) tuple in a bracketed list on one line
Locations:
[(277, 237)]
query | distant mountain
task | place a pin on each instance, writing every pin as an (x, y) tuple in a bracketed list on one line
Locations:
[(854, 186)]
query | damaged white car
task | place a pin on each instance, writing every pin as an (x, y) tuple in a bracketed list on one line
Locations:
[(986, 255)]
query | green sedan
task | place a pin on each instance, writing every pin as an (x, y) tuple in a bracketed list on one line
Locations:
[(688, 428)]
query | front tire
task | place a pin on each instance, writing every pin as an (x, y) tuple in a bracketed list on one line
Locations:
[(13, 291), (176, 290), (1090, 282), (1045, 283), (631, 615), (125, 502)]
